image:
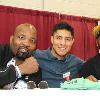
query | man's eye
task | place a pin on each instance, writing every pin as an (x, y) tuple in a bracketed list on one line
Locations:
[(58, 38), (33, 40), (68, 39)]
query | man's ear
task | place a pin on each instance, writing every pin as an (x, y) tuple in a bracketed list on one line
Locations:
[(73, 41), (52, 39), (11, 39)]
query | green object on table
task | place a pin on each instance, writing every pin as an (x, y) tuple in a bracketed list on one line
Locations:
[(80, 84)]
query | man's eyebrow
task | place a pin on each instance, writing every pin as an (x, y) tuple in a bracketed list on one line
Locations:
[(33, 38), (68, 37)]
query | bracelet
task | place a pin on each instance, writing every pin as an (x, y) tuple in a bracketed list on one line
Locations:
[(18, 73)]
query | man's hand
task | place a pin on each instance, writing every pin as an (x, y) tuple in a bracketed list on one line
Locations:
[(92, 78), (29, 66)]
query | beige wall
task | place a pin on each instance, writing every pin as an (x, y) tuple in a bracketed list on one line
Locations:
[(30, 4), (88, 8)]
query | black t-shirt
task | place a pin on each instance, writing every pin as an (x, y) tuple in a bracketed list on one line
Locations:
[(91, 67)]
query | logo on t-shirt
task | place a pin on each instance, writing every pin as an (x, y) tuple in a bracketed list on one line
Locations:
[(66, 76)]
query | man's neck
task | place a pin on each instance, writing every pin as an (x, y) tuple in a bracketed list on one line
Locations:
[(56, 55), (18, 62)]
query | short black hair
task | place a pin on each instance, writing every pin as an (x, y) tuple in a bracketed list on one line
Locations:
[(63, 25)]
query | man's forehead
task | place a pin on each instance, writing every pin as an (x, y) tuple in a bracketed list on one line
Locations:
[(26, 34), (61, 33), (25, 27)]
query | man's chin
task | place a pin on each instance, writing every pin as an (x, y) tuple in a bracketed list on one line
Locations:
[(62, 54), (23, 55)]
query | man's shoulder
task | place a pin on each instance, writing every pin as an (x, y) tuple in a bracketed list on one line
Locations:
[(76, 59), (5, 54), (76, 62), (93, 60), (40, 53), (4, 47)]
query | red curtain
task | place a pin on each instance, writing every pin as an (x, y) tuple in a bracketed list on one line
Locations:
[(44, 23), (10, 17), (84, 45)]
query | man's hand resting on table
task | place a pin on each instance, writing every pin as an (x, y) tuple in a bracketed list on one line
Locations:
[(92, 78)]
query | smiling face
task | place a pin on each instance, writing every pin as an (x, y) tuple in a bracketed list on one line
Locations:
[(62, 42), (23, 42)]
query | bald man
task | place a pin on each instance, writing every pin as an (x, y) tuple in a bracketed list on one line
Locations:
[(16, 62)]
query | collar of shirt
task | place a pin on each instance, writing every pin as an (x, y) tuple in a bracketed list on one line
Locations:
[(54, 58), (11, 62)]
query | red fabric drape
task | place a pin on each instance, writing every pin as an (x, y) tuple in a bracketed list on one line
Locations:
[(45, 22), (84, 45), (10, 17)]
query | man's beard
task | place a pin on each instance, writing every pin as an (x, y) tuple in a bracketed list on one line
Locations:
[(23, 53)]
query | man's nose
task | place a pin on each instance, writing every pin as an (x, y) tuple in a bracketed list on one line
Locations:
[(63, 42), (26, 42)]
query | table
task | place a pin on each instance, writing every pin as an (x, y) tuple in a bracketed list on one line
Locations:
[(49, 94)]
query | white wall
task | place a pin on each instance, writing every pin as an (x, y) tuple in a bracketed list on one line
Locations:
[(30, 4), (88, 8)]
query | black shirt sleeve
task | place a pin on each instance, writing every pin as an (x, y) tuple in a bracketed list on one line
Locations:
[(7, 75), (88, 68)]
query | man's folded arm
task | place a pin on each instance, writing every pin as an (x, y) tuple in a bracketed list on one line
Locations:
[(7, 76)]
